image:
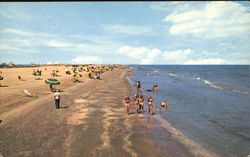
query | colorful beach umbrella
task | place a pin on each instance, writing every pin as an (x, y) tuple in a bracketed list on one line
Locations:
[(77, 75), (52, 81)]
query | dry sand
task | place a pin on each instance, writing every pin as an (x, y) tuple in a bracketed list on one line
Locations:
[(91, 121), (13, 95)]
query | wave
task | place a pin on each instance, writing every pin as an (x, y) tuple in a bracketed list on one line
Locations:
[(171, 74), (238, 91), (216, 86), (211, 84)]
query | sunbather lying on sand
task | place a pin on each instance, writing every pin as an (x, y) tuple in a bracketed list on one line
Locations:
[(27, 93)]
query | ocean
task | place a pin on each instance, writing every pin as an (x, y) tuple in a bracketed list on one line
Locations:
[(209, 104)]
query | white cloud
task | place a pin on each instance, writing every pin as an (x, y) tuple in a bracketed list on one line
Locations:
[(28, 33), (8, 47), (159, 6), (214, 19), (170, 6), (177, 55), (18, 32), (128, 29), (147, 61), (206, 61), (37, 39), (88, 60), (14, 14), (11, 49), (54, 43), (86, 45), (56, 62), (145, 55), (133, 52)]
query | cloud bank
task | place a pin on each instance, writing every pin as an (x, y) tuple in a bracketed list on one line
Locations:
[(213, 20)]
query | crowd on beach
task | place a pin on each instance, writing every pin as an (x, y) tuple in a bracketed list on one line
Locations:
[(94, 72), (138, 100)]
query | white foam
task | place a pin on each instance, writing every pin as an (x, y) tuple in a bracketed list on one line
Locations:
[(211, 84), (243, 92), (171, 74)]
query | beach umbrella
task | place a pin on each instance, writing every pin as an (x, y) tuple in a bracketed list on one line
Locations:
[(52, 81), (77, 75)]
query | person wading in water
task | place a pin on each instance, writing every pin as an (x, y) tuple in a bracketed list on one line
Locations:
[(150, 105), (138, 85)]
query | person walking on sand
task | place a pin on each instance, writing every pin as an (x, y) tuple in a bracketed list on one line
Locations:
[(51, 88), (150, 105), (57, 99), (127, 103)]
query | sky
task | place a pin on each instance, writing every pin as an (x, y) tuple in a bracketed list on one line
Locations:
[(198, 32)]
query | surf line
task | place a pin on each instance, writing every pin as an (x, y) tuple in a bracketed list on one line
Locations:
[(192, 146)]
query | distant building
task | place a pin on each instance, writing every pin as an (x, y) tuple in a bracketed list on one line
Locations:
[(11, 64), (4, 65)]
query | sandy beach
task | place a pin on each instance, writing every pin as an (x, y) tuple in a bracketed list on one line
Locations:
[(91, 121)]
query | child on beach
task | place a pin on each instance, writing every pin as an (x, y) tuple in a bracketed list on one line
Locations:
[(127, 103), (150, 104)]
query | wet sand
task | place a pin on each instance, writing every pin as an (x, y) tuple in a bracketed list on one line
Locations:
[(91, 121)]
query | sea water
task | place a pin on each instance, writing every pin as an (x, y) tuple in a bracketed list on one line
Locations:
[(209, 104)]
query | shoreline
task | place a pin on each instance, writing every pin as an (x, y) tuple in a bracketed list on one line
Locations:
[(162, 129)]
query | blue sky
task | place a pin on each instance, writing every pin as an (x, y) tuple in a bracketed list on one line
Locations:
[(125, 32)]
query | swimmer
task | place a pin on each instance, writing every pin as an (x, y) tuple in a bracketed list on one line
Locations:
[(164, 104), (150, 104), (154, 88)]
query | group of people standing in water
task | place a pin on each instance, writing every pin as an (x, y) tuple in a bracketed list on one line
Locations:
[(139, 100)]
